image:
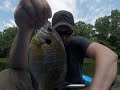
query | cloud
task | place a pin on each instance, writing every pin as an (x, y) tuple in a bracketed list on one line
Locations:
[(4, 24), (83, 10), (57, 5), (81, 2), (5, 5), (11, 23), (13, 9), (101, 12), (89, 11), (69, 5), (98, 1)]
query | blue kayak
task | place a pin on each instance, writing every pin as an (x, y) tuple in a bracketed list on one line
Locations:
[(87, 79)]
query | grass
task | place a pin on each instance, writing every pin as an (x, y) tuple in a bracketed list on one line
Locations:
[(3, 63), (4, 60), (88, 66)]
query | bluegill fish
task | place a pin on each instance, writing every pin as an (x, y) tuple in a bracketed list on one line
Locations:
[(47, 58)]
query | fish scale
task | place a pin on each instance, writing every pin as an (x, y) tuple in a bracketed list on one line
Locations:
[(47, 61)]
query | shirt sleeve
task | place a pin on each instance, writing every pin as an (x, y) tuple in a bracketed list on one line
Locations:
[(82, 44)]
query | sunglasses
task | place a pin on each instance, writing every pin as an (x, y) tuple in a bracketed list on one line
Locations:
[(64, 33)]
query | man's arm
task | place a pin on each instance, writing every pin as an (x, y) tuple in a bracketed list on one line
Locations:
[(18, 55), (29, 15), (105, 66)]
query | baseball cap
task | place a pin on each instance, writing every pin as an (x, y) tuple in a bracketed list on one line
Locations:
[(63, 17)]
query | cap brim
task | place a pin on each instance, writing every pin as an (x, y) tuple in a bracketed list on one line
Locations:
[(63, 23)]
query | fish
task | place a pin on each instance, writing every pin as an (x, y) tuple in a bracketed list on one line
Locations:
[(47, 58)]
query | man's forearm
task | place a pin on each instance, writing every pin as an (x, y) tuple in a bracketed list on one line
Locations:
[(105, 73), (18, 55)]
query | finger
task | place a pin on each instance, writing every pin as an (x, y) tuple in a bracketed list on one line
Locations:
[(20, 15), (37, 23), (47, 9), (38, 6), (28, 7)]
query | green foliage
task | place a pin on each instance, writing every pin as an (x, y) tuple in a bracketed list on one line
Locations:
[(85, 30), (108, 28), (106, 31), (6, 40), (3, 63), (88, 68)]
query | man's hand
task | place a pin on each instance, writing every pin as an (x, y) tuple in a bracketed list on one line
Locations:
[(32, 14)]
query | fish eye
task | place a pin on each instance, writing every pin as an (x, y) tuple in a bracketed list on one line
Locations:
[(48, 41)]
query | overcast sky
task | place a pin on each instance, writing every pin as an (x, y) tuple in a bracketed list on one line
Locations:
[(83, 10)]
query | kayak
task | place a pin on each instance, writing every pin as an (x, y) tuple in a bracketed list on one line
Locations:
[(87, 79)]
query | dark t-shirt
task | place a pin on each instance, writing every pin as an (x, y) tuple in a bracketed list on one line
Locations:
[(76, 51)]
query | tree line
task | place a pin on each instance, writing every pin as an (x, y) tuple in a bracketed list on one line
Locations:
[(105, 31)]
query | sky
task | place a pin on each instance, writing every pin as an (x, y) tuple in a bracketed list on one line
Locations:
[(83, 10)]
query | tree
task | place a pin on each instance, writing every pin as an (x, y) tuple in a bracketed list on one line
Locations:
[(0, 33), (6, 40), (0, 43), (108, 28), (85, 30)]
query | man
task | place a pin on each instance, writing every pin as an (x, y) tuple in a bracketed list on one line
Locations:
[(77, 48), (33, 14)]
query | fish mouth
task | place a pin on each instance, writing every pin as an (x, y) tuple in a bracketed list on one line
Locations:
[(48, 41), (44, 36), (44, 41)]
